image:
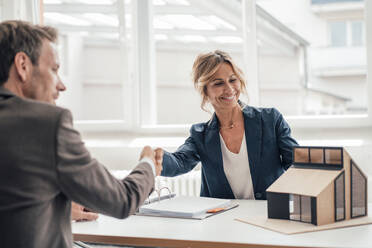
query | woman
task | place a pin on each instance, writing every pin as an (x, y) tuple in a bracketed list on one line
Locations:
[(242, 149)]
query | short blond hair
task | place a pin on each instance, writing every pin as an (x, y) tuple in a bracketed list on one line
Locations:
[(206, 66)]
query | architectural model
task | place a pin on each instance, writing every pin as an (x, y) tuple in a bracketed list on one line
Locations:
[(324, 185)]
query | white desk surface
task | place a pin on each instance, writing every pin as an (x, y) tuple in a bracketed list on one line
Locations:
[(220, 230)]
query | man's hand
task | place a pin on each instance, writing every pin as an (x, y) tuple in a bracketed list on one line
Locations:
[(147, 152), (79, 213)]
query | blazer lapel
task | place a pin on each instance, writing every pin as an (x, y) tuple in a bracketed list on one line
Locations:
[(253, 137), (213, 149)]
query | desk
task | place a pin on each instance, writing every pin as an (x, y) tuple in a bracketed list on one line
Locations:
[(217, 231)]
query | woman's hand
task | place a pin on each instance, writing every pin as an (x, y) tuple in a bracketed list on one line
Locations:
[(159, 160), (155, 155)]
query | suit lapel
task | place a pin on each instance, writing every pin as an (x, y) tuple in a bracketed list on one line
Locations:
[(253, 137), (213, 149)]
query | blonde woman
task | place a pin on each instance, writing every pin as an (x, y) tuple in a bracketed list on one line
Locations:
[(242, 149)]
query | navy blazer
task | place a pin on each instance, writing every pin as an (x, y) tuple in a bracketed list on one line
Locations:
[(269, 145)]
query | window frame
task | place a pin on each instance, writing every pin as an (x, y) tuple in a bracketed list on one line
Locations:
[(352, 167), (348, 32), (323, 164), (312, 202), (342, 176)]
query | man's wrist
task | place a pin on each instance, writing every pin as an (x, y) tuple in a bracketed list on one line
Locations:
[(150, 163)]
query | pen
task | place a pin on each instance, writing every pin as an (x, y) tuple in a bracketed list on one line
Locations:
[(81, 244)]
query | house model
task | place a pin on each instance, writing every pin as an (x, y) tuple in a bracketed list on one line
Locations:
[(324, 185)]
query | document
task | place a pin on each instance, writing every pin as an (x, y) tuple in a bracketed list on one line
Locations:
[(186, 207)]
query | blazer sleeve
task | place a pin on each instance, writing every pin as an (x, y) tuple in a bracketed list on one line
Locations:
[(87, 182), (182, 161), (284, 140)]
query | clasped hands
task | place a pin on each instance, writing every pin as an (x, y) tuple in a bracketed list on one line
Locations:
[(79, 213), (155, 155)]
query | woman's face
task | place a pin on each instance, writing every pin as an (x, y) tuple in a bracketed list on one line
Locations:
[(224, 89)]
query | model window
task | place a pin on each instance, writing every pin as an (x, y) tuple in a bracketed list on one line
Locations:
[(333, 156), (294, 207), (358, 192), (306, 209), (316, 156), (340, 197), (301, 155)]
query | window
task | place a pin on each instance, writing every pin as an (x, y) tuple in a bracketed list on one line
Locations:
[(358, 192), (306, 209), (316, 155), (340, 197), (294, 207), (357, 33), (94, 56), (333, 156), (183, 30), (346, 33), (301, 155), (338, 34), (300, 208)]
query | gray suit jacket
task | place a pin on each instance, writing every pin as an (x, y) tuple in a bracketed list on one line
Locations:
[(43, 165)]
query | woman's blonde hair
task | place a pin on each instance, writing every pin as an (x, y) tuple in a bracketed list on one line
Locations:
[(205, 67)]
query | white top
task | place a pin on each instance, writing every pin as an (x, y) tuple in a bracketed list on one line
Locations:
[(236, 167)]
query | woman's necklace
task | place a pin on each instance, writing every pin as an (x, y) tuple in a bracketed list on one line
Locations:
[(230, 126)]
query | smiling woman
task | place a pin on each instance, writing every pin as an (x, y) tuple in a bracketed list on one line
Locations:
[(209, 71), (230, 145)]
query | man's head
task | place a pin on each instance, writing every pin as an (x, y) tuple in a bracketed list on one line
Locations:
[(29, 61)]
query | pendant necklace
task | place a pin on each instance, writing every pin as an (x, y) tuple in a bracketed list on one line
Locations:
[(230, 126)]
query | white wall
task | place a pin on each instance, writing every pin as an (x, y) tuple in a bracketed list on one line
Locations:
[(354, 87), (296, 15), (1, 10)]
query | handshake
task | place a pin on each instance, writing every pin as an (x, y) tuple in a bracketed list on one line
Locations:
[(155, 155), (80, 213)]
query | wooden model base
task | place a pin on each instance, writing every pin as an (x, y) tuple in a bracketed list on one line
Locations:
[(294, 227)]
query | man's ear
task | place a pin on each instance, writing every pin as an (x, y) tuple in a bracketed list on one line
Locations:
[(23, 66)]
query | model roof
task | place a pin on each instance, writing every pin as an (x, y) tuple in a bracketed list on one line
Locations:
[(308, 182)]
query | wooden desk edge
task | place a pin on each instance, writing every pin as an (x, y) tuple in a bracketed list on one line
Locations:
[(171, 243)]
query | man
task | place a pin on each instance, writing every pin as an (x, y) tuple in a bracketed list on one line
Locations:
[(43, 162)]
